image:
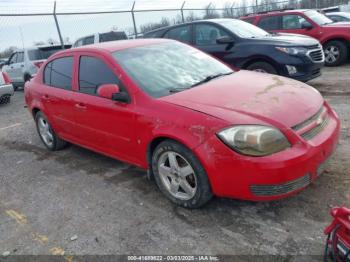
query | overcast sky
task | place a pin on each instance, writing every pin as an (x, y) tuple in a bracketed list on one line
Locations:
[(24, 31)]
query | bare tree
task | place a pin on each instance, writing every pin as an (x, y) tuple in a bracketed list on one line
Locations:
[(210, 12)]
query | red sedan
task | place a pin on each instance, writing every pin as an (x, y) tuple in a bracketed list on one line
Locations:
[(199, 127)]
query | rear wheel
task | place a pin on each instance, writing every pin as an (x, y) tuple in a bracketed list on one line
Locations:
[(336, 53), (262, 67), (46, 133), (5, 99), (180, 175)]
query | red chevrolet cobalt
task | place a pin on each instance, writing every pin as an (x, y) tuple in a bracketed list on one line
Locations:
[(199, 127)]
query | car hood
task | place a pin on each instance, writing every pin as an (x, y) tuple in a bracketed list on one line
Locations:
[(267, 98), (285, 39)]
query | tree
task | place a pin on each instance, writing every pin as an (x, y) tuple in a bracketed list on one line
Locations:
[(210, 12), (151, 26), (8, 51)]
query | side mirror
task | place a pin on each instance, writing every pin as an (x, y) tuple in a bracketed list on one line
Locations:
[(107, 90), (225, 40), (306, 25)]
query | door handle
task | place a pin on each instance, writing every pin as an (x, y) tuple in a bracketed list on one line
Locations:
[(80, 106)]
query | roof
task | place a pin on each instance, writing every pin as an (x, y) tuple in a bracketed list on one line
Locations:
[(113, 46), (276, 12)]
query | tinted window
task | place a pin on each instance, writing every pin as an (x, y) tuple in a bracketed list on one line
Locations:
[(112, 36), (207, 34), (160, 69), (249, 20), (20, 57), (270, 23), (155, 34), (88, 40), (181, 33), (337, 18), (58, 73), (13, 59), (293, 22), (44, 52), (93, 72)]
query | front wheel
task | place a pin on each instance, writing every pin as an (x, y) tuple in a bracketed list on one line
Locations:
[(336, 53), (46, 133), (180, 175), (262, 67)]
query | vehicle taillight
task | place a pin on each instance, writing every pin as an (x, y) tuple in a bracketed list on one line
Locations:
[(38, 64), (6, 78)]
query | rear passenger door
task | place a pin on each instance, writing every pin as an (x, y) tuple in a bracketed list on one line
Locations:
[(205, 39), (57, 95)]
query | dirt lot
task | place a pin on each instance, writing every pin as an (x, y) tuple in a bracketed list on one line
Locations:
[(47, 198)]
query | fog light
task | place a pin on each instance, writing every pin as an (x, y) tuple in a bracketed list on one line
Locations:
[(292, 70)]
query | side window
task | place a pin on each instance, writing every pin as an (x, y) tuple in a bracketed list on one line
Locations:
[(78, 43), (207, 34), (93, 72), (58, 73), (181, 33), (13, 59), (293, 22), (337, 18), (269, 23), (20, 57), (88, 40)]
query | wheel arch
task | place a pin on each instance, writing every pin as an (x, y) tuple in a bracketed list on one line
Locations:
[(340, 39), (253, 60)]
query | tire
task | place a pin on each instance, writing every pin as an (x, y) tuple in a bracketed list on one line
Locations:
[(336, 53), (192, 179), (15, 87), (27, 77), (52, 142), (262, 67), (5, 99)]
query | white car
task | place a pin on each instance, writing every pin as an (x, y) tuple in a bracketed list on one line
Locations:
[(24, 63), (6, 88), (339, 16), (100, 37)]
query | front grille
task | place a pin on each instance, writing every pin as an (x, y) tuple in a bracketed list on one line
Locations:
[(311, 47), (317, 55), (322, 116), (316, 130), (280, 189)]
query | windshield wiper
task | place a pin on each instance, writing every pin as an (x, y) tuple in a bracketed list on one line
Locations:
[(210, 77), (175, 90)]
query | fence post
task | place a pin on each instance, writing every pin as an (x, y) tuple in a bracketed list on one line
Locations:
[(182, 12), (133, 19), (57, 25)]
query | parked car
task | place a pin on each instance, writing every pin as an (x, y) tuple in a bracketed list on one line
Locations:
[(339, 16), (6, 88), (201, 128), (248, 47), (100, 38), (335, 37), (24, 63), (3, 62)]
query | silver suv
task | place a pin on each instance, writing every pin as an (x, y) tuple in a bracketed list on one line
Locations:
[(24, 63), (100, 37)]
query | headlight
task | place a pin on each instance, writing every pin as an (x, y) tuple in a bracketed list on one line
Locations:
[(293, 50), (254, 140)]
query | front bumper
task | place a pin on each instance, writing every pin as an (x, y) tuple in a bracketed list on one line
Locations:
[(306, 71), (6, 90), (271, 177)]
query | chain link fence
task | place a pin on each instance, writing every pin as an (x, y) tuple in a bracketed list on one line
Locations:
[(64, 24)]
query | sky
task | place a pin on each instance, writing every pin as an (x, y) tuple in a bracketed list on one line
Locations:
[(26, 30)]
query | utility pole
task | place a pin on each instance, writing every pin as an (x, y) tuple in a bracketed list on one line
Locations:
[(182, 12), (57, 25), (133, 19)]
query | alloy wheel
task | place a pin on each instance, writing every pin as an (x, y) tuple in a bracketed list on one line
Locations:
[(332, 54), (177, 175), (45, 131)]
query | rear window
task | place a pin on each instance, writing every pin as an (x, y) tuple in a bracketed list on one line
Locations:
[(45, 52), (58, 73), (270, 23), (112, 36)]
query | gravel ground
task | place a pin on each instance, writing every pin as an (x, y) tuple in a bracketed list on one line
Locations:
[(108, 207)]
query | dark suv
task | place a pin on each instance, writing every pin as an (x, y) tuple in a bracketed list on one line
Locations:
[(246, 46)]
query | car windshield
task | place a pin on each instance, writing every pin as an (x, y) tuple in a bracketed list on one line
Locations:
[(161, 69), (318, 18), (243, 29), (44, 52)]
